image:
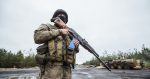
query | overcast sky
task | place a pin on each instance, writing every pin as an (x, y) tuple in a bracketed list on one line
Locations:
[(109, 25)]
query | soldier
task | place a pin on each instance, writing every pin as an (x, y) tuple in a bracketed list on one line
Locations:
[(58, 59)]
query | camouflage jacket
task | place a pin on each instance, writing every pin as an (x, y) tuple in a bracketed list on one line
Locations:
[(57, 44)]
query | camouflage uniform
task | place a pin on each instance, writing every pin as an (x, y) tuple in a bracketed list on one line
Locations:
[(58, 66)]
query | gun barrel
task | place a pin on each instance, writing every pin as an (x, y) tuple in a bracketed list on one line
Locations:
[(103, 63), (91, 50)]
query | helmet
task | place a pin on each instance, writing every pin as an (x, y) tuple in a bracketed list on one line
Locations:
[(61, 11)]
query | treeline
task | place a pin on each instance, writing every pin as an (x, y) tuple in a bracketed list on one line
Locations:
[(18, 60), (143, 54)]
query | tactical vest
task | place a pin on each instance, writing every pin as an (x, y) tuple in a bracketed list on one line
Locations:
[(57, 49)]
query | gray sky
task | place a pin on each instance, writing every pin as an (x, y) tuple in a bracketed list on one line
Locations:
[(110, 25)]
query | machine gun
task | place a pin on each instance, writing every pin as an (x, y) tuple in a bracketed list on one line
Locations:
[(84, 43)]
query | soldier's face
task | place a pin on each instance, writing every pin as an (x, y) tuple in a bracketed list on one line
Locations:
[(62, 17)]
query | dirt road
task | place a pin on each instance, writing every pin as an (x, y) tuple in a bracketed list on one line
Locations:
[(82, 73), (94, 73)]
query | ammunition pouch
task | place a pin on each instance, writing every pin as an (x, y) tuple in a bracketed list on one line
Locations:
[(42, 53), (40, 59), (70, 56), (42, 49)]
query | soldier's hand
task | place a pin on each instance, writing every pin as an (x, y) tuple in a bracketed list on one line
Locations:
[(64, 31), (59, 22), (76, 42)]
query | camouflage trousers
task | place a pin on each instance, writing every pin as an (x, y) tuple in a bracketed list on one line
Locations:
[(56, 70)]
